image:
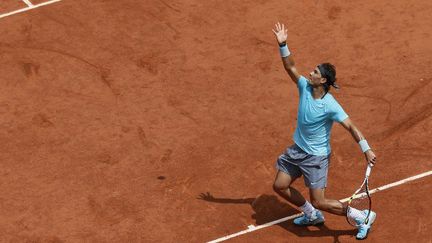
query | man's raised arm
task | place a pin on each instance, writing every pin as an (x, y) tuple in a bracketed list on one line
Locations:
[(281, 36)]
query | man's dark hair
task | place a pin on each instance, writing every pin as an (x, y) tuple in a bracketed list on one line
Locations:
[(328, 71)]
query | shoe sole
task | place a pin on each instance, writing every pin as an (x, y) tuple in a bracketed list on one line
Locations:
[(372, 220), (367, 233)]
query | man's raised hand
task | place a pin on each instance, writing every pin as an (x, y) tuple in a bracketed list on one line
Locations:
[(281, 33)]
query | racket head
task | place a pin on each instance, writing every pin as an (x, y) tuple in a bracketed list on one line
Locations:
[(361, 201)]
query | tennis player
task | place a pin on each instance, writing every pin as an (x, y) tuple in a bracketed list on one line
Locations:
[(310, 154)]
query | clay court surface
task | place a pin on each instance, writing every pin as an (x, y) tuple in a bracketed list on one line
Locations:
[(117, 115)]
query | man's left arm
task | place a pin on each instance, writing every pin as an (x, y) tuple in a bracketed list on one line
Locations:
[(359, 138)]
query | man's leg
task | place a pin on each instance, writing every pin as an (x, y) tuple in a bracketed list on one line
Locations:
[(319, 201), (282, 186), (288, 172), (335, 207)]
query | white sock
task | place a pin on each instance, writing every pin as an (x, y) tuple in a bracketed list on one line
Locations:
[(356, 214), (308, 209)]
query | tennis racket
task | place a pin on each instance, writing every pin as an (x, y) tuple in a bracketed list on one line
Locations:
[(361, 199)]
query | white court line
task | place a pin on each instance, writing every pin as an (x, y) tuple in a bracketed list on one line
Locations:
[(30, 7), (252, 228)]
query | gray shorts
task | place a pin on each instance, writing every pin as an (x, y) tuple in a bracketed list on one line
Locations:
[(295, 162)]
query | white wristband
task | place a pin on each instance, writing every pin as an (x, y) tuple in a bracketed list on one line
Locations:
[(284, 52), (364, 145)]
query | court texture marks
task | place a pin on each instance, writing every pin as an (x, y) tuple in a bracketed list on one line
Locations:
[(161, 121)]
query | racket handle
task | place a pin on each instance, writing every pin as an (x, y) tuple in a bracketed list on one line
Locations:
[(368, 170)]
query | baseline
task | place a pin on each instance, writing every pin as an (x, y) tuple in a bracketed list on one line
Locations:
[(252, 228)]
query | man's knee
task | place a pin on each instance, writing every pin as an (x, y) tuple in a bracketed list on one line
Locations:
[(282, 182), (277, 187)]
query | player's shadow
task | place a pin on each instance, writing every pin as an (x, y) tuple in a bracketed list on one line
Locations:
[(268, 208)]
